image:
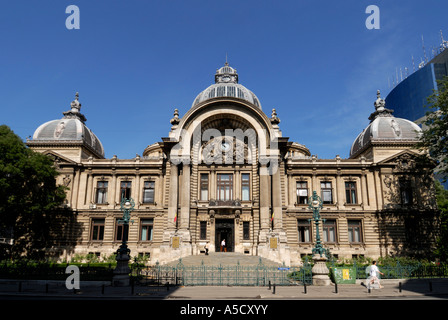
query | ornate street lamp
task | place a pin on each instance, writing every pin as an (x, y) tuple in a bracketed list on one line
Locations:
[(320, 254), (316, 206), (121, 272)]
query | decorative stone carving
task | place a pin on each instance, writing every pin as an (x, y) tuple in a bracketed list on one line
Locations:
[(225, 150), (175, 120), (66, 180), (274, 118), (405, 163)]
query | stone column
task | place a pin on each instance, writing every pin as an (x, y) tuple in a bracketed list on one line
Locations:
[(277, 198), (184, 221), (264, 197), (365, 200), (173, 197), (113, 186)]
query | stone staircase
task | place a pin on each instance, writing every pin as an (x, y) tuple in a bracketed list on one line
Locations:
[(224, 258)]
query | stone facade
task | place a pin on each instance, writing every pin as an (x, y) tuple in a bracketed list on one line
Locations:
[(225, 171)]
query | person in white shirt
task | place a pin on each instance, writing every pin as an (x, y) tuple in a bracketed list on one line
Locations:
[(223, 245), (374, 271)]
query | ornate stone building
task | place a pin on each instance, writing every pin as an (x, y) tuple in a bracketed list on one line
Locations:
[(226, 172)]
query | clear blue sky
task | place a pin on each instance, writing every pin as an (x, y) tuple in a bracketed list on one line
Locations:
[(134, 61)]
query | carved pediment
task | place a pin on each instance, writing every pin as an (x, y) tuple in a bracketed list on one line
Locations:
[(58, 159), (405, 161)]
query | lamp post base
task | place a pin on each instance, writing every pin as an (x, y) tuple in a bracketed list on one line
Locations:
[(320, 271), (121, 273)]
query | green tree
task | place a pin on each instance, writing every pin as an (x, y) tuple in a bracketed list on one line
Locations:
[(435, 132), (442, 204), (30, 200)]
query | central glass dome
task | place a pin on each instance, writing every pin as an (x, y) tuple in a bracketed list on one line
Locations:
[(226, 85)]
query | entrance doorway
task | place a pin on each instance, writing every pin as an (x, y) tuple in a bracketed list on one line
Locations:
[(224, 229)]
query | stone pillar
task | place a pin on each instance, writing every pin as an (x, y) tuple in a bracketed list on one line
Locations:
[(184, 221), (364, 188), (264, 197), (277, 199), (174, 189), (114, 190)]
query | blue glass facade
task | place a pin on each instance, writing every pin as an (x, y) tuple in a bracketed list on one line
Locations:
[(410, 96)]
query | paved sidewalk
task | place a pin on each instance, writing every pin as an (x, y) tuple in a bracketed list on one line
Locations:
[(54, 290)]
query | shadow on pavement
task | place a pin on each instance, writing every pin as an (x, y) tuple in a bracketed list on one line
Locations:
[(49, 290)]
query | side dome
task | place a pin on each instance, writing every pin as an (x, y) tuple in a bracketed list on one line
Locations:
[(384, 127), (226, 85), (70, 129)]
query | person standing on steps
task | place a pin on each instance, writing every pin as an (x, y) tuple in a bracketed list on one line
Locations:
[(223, 245)]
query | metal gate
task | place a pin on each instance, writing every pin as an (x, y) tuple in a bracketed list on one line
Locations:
[(223, 275)]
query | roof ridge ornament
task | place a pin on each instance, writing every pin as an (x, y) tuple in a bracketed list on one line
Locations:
[(274, 118), (175, 120)]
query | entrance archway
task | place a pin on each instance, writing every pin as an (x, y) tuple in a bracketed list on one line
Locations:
[(224, 229)]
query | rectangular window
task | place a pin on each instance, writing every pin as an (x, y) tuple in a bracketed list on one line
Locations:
[(125, 190), (225, 187), (246, 230), (350, 192), (121, 231), (326, 192), (329, 231), (97, 228), (304, 229), (302, 192), (245, 187), (406, 192), (204, 186), (146, 228), (354, 231), (203, 233), (148, 192), (101, 192)]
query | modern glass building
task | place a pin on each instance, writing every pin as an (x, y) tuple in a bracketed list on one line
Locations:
[(409, 98)]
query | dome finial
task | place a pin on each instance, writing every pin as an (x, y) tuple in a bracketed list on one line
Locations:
[(76, 106), (380, 108), (379, 103), (75, 111), (226, 74)]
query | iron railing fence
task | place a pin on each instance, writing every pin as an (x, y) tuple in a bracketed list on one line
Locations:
[(215, 275), (402, 271), (222, 275)]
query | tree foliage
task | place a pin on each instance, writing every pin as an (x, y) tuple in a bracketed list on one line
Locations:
[(442, 204), (30, 200), (435, 132)]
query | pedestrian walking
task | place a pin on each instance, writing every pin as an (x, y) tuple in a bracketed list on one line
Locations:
[(374, 271)]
